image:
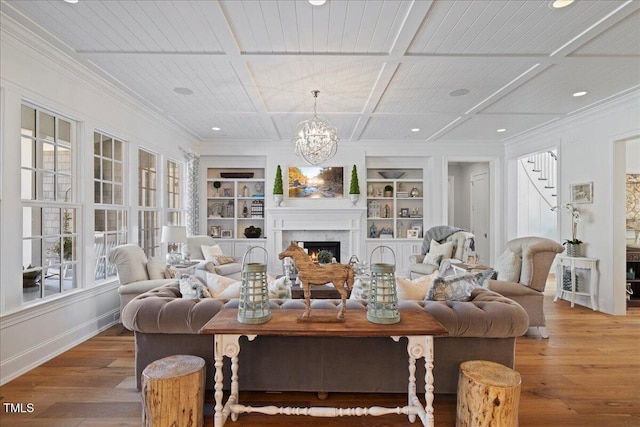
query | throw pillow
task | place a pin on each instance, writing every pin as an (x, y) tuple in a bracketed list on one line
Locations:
[(222, 259), (278, 288), (232, 291), (508, 266), (416, 289), (432, 259), (454, 288), (217, 284), (209, 251), (156, 267), (360, 290), (170, 273), (191, 287), (445, 249), (487, 274)]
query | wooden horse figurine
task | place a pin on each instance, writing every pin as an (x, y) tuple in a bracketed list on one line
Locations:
[(313, 274)]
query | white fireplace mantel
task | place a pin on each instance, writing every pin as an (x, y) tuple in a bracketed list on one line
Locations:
[(287, 219)]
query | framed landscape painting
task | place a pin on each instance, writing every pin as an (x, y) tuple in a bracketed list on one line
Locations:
[(313, 182)]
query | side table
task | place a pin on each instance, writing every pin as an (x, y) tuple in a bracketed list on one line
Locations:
[(589, 278), (186, 268)]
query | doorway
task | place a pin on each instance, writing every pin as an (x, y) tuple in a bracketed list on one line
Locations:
[(469, 205)]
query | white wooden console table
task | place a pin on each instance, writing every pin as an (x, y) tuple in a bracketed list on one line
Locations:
[(589, 281), (417, 325)]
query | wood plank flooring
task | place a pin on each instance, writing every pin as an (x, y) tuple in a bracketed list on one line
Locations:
[(586, 374)]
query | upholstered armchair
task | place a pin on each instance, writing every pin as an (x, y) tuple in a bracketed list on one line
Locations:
[(418, 268), (193, 249), (135, 276), (530, 260)]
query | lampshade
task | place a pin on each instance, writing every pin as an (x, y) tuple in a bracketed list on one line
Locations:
[(174, 234), (316, 140)]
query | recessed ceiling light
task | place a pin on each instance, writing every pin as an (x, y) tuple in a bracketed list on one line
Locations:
[(559, 4), (415, 130), (581, 93), (459, 92), (317, 2), (501, 130), (71, 1), (183, 90), (215, 128)]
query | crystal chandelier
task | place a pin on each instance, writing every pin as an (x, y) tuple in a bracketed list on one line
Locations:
[(316, 140)]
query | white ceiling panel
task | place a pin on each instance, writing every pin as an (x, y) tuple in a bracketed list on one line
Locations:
[(424, 87), (382, 67), (380, 128), (504, 27), (551, 91), (622, 39), (286, 86), (293, 26), (483, 127)]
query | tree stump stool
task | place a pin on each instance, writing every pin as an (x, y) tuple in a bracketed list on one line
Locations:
[(488, 395), (173, 392)]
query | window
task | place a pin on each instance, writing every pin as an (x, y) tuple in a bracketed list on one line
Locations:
[(148, 229), (174, 195), (110, 215), (50, 228)]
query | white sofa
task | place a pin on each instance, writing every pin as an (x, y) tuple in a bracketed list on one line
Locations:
[(193, 249)]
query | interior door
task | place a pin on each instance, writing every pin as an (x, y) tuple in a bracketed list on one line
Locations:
[(480, 214)]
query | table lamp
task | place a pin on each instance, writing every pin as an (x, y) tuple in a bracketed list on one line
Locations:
[(173, 235)]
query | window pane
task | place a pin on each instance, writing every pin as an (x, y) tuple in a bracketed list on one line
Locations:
[(28, 118), (31, 253), (64, 188), (31, 221), (97, 195), (64, 160), (47, 125), (46, 186), (27, 184), (100, 220), (107, 193), (27, 154), (117, 150), (107, 148), (96, 144), (46, 158), (52, 223), (117, 195), (117, 172), (64, 131), (106, 170), (97, 168)]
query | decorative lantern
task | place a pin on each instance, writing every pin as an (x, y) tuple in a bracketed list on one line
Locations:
[(254, 293), (382, 306)]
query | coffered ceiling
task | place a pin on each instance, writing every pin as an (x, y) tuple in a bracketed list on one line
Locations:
[(383, 67)]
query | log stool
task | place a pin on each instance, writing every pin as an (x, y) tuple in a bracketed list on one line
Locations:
[(173, 392), (488, 395)]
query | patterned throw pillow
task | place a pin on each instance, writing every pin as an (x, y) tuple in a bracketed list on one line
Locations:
[(432, 259), (361, 288), (222, 259), (454, 288), (278, 288), (191, 287), (218, 284)]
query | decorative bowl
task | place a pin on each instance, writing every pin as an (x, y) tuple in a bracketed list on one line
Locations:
[(391, 174)]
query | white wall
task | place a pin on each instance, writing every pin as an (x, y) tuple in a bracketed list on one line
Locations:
[(32, 70), (587, 153), (633, 155)]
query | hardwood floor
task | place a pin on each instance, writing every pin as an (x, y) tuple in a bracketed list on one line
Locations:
[(586, 374)]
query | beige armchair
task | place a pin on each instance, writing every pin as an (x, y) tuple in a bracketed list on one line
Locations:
[(131, 265), (537, 255)]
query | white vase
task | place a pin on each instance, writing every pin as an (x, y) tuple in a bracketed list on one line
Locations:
[(277, 198), (354, 199)]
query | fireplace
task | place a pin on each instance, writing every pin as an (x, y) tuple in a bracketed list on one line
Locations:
[(314, 247)]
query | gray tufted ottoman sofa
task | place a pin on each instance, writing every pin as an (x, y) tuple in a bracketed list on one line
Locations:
[(484, 328)]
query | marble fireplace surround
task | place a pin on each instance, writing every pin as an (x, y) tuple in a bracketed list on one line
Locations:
[(302, 224)]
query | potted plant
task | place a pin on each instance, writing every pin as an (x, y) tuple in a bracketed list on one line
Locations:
[(278, 191), (354, 187), (252, 232), (388, 191), (324, 256), (574, 245)]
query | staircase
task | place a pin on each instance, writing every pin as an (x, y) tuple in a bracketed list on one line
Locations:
[(541, 168)]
